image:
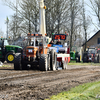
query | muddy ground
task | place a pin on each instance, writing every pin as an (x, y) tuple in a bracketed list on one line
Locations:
[(38, 85)]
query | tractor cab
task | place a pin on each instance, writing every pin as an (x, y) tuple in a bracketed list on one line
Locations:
[(35, 45), (37, 53), (36, 40), (3, 42)]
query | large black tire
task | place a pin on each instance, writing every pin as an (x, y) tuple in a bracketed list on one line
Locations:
[(48, 58), (10, 57), (64, 65), (78, 58), (2, 60), (85, 59), (53, 60), (24, 66), (43, 63), (96, 59), (18, 62), (48, 53)]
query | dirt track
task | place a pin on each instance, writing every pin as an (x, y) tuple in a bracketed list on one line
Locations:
[(37, 85)]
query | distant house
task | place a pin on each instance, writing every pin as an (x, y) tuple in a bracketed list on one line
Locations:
[(94, 41)]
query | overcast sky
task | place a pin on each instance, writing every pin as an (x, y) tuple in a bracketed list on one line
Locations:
[(6, 11)]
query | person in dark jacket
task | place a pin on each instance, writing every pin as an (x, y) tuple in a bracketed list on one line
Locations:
[(51, 42), (58, 42), (36, 42)]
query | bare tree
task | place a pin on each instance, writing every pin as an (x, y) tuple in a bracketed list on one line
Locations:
[(61, 15), (56, 14), (30, 11), (74, 23), (26, 18), (96, 8), (1, 33), (86, 24)]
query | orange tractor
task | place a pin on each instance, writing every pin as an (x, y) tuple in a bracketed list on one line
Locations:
[(36, 53)]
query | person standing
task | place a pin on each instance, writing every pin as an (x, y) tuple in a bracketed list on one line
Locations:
[(58, 42)]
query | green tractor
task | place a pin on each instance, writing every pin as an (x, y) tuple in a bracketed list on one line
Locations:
[(7, 52), (74, 55)]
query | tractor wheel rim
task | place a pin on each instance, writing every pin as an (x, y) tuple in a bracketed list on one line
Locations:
[(10, 57)]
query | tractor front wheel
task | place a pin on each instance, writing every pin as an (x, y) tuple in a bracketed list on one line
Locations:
[(96, 59), (78, 58), (10, 57), (24, 66), (64, 65), (53, 60)]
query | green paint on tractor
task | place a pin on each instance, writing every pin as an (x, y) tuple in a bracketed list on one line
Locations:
[(7, 51)]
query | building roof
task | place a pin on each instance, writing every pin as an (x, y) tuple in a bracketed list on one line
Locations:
[(91, 37)]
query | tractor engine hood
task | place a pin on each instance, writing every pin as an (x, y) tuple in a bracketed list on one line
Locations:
[(31, 51)]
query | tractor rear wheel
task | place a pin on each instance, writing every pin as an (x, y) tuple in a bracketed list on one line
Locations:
[(64, 65), (17, 62), (43, 63), (53, 60), (78, 58), (85, 59), (24, 66), (2, 60), (48, 58), (10, 57), (96, 59)]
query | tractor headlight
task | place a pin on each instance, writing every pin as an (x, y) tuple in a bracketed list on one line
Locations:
[(30, 50)]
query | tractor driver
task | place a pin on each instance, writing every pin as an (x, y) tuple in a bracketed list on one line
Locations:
[(41, 43), (51, 42), (36, 42), (58, 42), (40, 46)]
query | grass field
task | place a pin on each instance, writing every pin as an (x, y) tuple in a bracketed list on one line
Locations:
[(88, 91), (83, 64)]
